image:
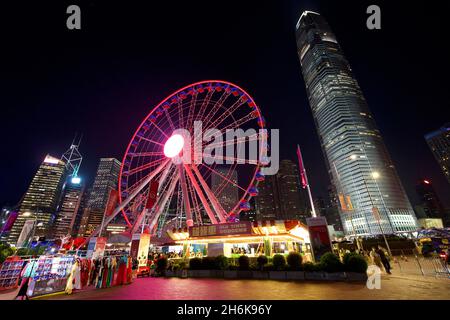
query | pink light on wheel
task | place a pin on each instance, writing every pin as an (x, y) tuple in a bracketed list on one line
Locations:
[(173, 146)]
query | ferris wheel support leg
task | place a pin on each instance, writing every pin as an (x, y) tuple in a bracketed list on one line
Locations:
[(187, 205), (159, 207), (201, 195), (132, 196), (215, 203)]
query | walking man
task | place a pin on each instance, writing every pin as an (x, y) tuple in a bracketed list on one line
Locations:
[(384, 259)]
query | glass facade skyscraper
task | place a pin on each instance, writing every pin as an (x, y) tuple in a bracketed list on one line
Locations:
[(370, 195), (41, 200), (439, 143)]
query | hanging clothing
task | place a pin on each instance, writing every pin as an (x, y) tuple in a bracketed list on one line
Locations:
[(70, 280)]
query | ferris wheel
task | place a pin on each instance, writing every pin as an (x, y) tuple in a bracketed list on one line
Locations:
[(197, 192)]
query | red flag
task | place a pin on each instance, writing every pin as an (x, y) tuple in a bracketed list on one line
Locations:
[(152, 194), (301, 168), (112, 202)]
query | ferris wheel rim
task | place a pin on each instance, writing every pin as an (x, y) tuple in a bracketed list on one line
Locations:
[(246, 194)]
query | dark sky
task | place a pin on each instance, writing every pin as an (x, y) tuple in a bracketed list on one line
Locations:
[(104, 79)]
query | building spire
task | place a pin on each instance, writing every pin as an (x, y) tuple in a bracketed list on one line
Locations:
[(72, 157)]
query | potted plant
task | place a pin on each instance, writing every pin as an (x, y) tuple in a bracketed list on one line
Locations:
[(333, 267), (260, 273), (222, 264), (161, 266), (313, 271), (355, 267), (244, 267), (279, 265), (294, 272)]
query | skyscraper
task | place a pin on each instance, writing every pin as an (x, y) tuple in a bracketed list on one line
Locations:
[(371, 196), (226, 192), (281, 197), (293, 199), (430, 203), (41, 199), (106, 179), (69, 208), (439, 143)]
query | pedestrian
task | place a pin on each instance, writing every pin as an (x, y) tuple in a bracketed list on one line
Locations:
[(384, 259), (376, 259)]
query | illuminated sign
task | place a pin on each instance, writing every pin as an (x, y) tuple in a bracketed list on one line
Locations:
[(50, 159), (225, 229)]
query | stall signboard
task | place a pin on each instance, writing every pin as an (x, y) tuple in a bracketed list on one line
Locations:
[(135, 245), (319, 236), (100, 247), (10, 273), (144, 246), (225, 229)]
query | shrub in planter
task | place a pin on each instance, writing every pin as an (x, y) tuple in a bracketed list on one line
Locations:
[(347, 256), (268, 267), (161, 265), (195, 264), (221, 262), (208, 263), (331, 263), (261, 261), (294, 261), (244, 263), (279, 262), (311, 267), (356, 263)]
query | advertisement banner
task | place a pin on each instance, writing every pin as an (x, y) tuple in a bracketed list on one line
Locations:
[(152, 194), (10, 221), (25, 233), (319, 236), (135, 245), (144, 246), (91, 247), (225, 229), (112, 202), (100, 247)]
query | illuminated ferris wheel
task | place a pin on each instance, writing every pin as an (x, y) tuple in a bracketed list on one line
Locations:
[(154, 163)]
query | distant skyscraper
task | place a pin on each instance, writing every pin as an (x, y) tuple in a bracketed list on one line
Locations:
[(226, 191), (358, 162), (293, 199), (106, 178), (281, 197), (439, 143), (41, 199), (430, 203), (69, 208)]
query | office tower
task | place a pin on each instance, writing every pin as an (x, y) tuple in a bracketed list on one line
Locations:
[(371, 196), (267, 202), (41, 199), (293, 198), (281, 196), (69, 208), (439, 143), (429, 200), (106, 178), (326, 207), (83, 205), (224, 186)]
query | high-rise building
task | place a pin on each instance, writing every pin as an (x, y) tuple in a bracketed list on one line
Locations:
[(41, 199), (226, 191), (439, 143), (69, 208), (281, 196), (429, 200), (293, 198), (106, 178), (371, 196)]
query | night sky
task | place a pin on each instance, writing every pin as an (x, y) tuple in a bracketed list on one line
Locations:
[(103, 79)]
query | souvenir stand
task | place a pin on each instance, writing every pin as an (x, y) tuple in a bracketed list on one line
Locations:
[(10, 272)]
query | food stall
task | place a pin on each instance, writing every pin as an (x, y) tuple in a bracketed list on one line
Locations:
[(244, 237)]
